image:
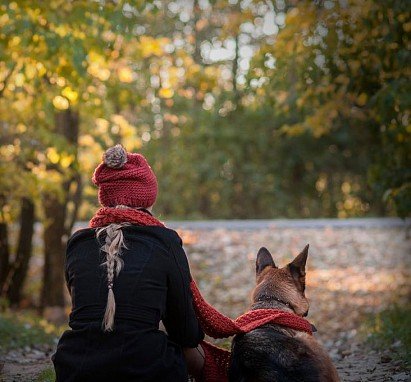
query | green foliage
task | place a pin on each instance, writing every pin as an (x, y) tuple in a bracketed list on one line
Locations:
[(391, 328), (47, 375), (25, 329), (341, 71), (308, 114)]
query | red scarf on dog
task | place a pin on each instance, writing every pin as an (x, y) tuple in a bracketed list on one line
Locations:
[(213, 323)]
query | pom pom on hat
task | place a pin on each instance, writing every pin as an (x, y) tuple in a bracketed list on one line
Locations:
[(115, 157), (125, 179)]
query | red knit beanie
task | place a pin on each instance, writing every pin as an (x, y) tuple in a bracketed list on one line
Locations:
[(125, 179)]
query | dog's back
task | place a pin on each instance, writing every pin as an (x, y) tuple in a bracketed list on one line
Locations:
[(268, 355)]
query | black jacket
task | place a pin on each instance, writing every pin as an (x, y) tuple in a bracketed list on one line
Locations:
[(152, 286)]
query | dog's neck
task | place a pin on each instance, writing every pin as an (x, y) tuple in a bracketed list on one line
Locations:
[(271, 302)]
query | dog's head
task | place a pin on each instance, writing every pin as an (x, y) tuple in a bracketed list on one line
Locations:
[(286, 284)]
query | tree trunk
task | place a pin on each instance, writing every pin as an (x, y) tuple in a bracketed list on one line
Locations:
[(54, 232), (57, 219), (235, 71), (196, 33), (24, 251), (4, 247), (75, 200), (4, 255)]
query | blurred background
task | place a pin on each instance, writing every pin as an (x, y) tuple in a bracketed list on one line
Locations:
[(245, 109)]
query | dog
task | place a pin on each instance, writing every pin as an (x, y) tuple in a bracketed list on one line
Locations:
[(273, 353)]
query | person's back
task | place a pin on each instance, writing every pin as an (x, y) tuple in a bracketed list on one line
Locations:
[(124, 277)]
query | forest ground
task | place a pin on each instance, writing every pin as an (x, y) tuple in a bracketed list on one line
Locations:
[(358, 284)]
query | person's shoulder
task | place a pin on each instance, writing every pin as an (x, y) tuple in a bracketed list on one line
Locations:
[(80, 236), (164, 234), (172, 235)]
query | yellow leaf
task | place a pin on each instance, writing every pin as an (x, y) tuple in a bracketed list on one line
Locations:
[(125, 75), (19, 79), (150, 46), (166, 92), (407, 27), (4, 19), (53, 155), (21, 128), (362, 99), (61, 30), (66, 161), (60, 81), (70, 94), (94, 57), (102, 125), (86, 140), (30, 71), (41, 69), (60, 103), (14, 41)]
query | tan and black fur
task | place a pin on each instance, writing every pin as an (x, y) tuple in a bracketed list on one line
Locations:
[(273, 353)]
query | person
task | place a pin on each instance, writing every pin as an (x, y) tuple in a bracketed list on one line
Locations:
[(125, 274)]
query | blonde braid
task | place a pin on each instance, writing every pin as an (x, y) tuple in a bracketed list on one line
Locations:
[(113, 245)]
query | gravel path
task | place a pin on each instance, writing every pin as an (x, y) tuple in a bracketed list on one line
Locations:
[(258, 224), (352, 271)]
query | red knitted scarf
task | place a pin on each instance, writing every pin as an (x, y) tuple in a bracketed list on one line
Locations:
[(107, 215), (214, 323)]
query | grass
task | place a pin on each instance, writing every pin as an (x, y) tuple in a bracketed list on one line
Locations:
[(46, 375), (25, 328), (391, 328)]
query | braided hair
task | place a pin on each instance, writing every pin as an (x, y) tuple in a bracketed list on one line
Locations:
[(112, 247)]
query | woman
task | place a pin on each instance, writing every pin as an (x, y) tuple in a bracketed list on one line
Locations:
[(126, 273)]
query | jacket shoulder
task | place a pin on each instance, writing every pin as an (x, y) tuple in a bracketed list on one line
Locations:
[(168, 237), (164, 234), (80, 236)]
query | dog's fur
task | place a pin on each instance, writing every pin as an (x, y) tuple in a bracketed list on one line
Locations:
[(273, 353)]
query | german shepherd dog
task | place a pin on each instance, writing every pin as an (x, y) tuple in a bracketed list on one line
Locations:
[(273, 353)]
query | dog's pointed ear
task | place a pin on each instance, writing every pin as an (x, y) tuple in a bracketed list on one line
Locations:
[(264, 259), (297, 268)]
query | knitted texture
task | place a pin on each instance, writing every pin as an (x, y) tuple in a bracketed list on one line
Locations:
[(213, 323), (217, 325), (216, 363), (107, 215), (126, 181)]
